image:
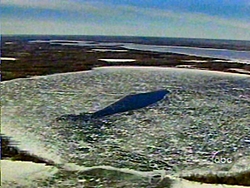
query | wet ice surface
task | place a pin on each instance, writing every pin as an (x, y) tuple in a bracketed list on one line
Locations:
[(206, 112)]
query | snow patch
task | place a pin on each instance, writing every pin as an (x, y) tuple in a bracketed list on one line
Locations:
[(8, 59), (117, 60)]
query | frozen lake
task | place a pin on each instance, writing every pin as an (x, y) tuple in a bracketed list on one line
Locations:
[(240, 56), (206, 112), (234, 55)]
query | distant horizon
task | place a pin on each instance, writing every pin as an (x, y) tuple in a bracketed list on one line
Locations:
[(213, 19), (71, 35)]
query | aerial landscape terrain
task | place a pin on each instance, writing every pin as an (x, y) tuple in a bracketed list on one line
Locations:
[(43, 58), (122, 93), (205, 111)]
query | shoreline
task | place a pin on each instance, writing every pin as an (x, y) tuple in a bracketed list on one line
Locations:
[(37, 59), (133, 67)]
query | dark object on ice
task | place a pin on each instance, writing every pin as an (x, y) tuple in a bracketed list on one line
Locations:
[(132, 102), (128, 103)]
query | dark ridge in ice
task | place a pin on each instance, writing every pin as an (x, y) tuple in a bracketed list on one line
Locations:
[(128, 103), (131, 102), (10, 150)]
